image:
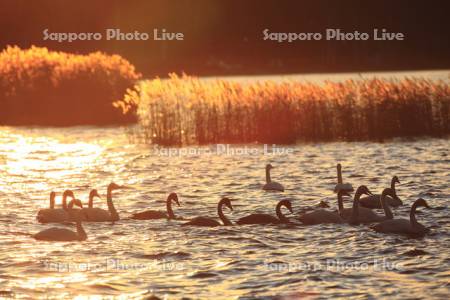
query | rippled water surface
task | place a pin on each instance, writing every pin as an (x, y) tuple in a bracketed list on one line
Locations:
[(141, 258)]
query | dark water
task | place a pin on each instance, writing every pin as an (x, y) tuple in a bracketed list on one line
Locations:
[(140, 258)]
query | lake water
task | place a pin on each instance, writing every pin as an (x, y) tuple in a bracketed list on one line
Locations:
[(140, 258)]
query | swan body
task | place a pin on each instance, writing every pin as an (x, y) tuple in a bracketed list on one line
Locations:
[(155, 214), (209, 222), (374, 201), (340, 186), (265, 219), (271, 185), (74, 213), (96, 214), (403, 226), (55, 215), (90, 212), (62, 234), (357, 214), (321, 216), (42, 213)]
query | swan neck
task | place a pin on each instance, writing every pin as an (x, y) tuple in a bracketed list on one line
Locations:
[(339, 175), (279, 213), (80, 231), (91, 201), (412, 215), (222, 217), (52, 202), (340, 203), (386, 208), (268, 180), (64, 202), (112, 210), (393, 187), (169, 208), (355, 208)]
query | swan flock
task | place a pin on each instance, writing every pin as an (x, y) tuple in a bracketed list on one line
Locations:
[(360, 212)]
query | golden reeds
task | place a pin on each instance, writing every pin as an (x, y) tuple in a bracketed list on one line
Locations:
[(187, 110), (43, 87)]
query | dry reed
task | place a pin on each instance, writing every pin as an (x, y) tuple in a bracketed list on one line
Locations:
[(43, 87), (186, 110)]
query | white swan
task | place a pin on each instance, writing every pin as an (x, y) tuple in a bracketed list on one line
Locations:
[(55, 215), (404, 226), (322, 216), (96, 214), (46, 211), (74, 213), (62, 234), (347, 187), (156, 214), (271, 185), (374, 200), (90, 210), (265, 219), (357, 214), (209, 222), (93, 193)]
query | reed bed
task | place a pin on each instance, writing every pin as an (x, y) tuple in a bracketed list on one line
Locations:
[(186, 110), (42, 87)]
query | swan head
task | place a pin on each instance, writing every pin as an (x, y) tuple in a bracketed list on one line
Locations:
[(174, 197), (68, 193), (113, 186), (286, 203), (227, 202), (76, 202), (395, 179), (421, 202), (269, 167), (363, 190), (94, 193)]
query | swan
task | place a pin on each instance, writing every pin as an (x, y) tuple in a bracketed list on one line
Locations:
[(93, 193), (404, 226), (268, 219), (155, 214), (271, 185), (95, 214), (49, 210), (74, 213), (208, 222), (356, 214), (62, 234), (342, 186), (374, 200), (322, 216), (87, 211), (55, 215)]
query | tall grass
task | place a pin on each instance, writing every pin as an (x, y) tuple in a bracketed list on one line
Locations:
[(186, 110), (43, 87)]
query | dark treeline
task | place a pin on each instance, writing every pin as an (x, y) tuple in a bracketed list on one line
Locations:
[(225, 37)]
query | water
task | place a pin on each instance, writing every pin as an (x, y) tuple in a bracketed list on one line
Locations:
[(140, 258)]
